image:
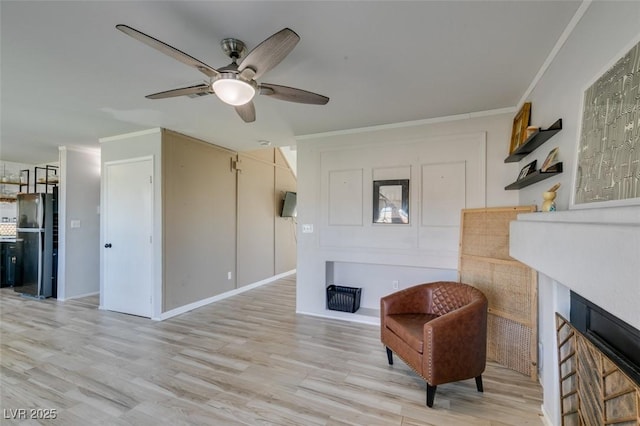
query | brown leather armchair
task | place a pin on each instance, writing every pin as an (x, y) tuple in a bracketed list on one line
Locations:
[(439, 329)]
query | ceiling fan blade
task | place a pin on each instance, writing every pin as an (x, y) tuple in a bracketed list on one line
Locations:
[(270, 52), (292, 94), (198, 89), (169, 50), (247, 112)]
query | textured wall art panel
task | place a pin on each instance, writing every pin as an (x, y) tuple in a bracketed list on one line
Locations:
[(609, 148)]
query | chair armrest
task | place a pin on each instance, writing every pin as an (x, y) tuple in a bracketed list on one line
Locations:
[(455, 344)]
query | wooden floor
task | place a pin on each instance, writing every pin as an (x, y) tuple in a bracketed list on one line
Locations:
[(246, 360)]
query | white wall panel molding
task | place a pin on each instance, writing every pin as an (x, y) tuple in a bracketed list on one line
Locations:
[(344, 196), (373, 255), (443, 193)]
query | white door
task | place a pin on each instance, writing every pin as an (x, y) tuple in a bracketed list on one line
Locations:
[(128, 226)]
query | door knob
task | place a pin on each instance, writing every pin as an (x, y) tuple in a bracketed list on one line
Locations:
[(108, 245)]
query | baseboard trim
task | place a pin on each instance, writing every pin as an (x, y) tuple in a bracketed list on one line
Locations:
[(352, 317), (200, 303), (79, 296), (546, 420)]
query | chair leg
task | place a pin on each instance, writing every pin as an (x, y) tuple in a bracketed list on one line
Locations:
[(431, 394), (390, 356), (479, 383)]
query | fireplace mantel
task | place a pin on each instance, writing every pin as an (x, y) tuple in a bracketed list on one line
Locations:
[(594, 252)]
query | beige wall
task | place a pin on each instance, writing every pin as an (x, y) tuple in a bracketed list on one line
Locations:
[(266, 242), (199, 220), (256, 210), (285, 228), (216, 227)]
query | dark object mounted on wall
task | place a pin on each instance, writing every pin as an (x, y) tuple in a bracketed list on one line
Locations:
[(289, 204), (391, 201)]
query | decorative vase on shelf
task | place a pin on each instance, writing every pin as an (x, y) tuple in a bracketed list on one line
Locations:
[(549, 205)]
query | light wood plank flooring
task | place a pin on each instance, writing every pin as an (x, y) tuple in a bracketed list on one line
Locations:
[(246, 360)]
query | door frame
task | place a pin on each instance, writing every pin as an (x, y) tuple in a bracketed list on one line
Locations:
[(156, 246)]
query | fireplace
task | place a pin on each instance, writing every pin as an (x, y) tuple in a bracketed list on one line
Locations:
[(593, 388), (594, 253), (614, 337)]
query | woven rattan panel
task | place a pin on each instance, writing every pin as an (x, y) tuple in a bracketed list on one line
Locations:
[(510, 344), (485, 232), (510, 286), (593, 390), (506, 285)]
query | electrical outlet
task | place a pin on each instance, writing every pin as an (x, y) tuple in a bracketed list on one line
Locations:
[(395, 284), (307, 228), (229, 275)]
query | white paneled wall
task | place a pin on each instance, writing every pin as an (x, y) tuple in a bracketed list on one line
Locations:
[(446, 165), (345, 197)]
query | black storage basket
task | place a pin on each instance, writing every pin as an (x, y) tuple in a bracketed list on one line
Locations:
[(346, 299)]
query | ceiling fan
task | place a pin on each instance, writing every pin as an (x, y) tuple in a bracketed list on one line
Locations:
[(235, 84)]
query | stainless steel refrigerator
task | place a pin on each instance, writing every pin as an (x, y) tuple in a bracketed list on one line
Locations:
[(37, 217)]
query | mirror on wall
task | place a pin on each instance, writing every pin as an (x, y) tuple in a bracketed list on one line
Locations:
[(391, 201)]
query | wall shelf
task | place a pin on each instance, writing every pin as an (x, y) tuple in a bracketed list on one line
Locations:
[(533, 142), (24, 179), (46, 176), (535, 177), (9, 191)]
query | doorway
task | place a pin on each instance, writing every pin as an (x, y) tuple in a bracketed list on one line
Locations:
[(128, 237)]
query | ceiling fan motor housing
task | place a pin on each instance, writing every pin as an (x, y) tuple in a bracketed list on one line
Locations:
[(233, 48)]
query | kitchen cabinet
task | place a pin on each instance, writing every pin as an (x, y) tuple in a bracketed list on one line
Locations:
[(10, 265)]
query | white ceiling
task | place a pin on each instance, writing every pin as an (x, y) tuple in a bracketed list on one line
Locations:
[(68, 77)]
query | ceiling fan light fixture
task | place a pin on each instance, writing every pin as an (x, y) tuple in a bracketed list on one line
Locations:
[(232, 90)]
